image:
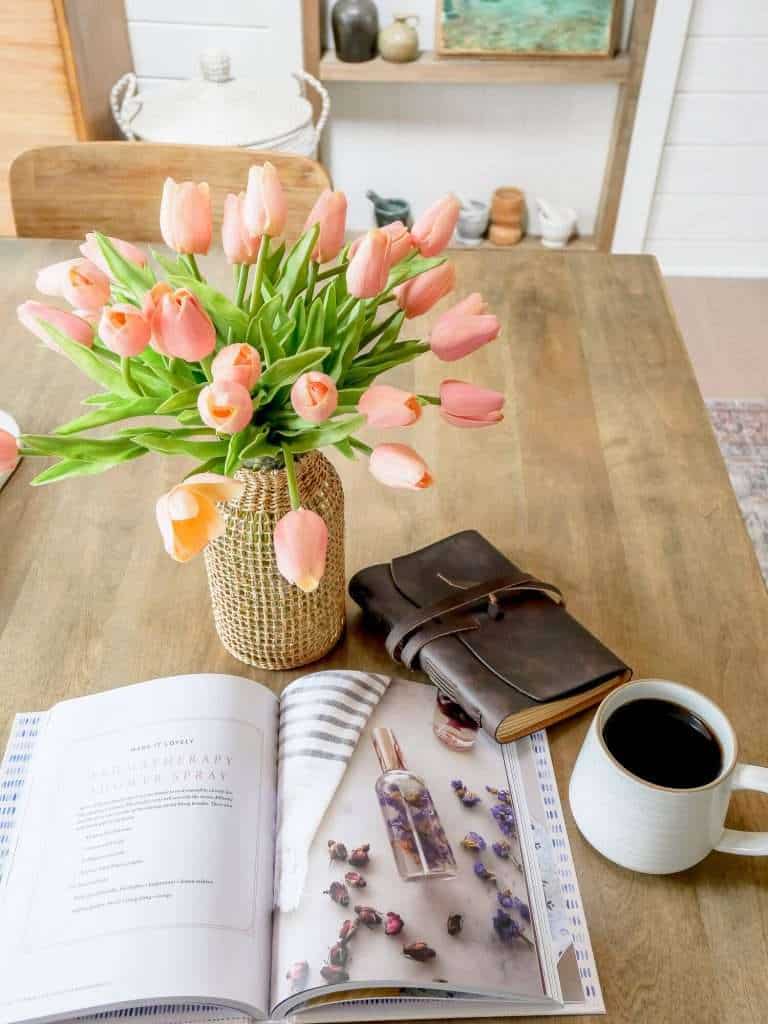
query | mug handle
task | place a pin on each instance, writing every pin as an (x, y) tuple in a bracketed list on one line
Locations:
[(751, 844)]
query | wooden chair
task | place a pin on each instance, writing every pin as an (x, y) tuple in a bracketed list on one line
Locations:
[(115, 187)]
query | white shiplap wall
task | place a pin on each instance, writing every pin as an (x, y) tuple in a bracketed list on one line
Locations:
[(710, 210)]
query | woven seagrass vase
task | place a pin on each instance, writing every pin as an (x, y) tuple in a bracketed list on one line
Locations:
[(261, 618)]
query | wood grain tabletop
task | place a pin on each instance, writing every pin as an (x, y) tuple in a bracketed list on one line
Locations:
[(604, 477)]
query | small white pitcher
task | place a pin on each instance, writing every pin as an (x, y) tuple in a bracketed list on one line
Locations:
[(557, 223)]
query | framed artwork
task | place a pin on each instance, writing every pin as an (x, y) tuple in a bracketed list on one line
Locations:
[(528, 28)]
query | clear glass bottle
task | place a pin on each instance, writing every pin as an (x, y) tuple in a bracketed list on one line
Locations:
[(452, 725), (419, 843)]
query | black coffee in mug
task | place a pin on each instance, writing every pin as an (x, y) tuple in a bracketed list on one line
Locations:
[(663, 743)]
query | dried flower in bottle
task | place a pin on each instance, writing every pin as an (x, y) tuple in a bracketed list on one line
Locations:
[(473, 841), (455, 923), (347, 930), (333, 975), (368, 916), (297, 974), (338, 893), (359, 857), (355, 879), (337, 954), (393, 923), (337, 851), (419, 951)]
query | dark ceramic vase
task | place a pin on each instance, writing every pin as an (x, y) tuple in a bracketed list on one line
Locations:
[(355, 30)]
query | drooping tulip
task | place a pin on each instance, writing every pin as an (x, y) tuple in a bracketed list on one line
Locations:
[(80, 281), (330, 212), (420, 294), (398, 465), (9, 452), (457, 333), (239, 363), (434, 228), (240, 246), (92, 251), (301, 543), (124, 329), (369, 268), (187, 514), (466, 405), (186, 222), (180, 325), (314, 396), (226, 406), (32, 315), (385, 406), (265, 208)]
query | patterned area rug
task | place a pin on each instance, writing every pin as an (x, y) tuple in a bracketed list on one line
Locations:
[(741, 428)]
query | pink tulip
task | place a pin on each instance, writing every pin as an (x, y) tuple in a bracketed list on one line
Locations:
[(80, 281), (180, 325), (240, 246), (92, 251), (265, 209), (457, 333), (397, 465), (124, 329), (239, 363), (472, 305), (368, 269), (385, 406), (330, 212), (226, 406), (465, 405), (9, 452), (314, 396), (400, 242), (420, 294), (301, 541), (187, 514), (434, 228), (186, 222), (91, 316), (32, 314)]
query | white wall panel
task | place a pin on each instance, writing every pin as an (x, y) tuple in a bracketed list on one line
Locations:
[(731, 170), (726, 119), (717, 218), (730, 18), (215, 12), (715, 259), (724, 64)]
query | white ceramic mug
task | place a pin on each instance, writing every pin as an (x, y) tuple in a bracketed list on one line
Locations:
[(651, 828)]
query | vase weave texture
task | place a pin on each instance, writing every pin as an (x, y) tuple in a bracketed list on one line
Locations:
[(262, 619)]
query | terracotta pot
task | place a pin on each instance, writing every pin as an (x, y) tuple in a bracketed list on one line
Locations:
[(500, 234), (508, 207)]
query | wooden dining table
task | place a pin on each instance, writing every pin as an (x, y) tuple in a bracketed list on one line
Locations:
[(604, 477)]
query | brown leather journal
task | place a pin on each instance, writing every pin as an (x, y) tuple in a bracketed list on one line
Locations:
[(490, 636)]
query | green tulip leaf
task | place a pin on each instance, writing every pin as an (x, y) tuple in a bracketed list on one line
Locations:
[(90, 362), (293, 275), (286, 370), (186, 399), (102, 398), (346, 349), (346, 449), (72, 467), (135, 280), (326, 434), (410, 268), (169, 444), (214, 465), (314, 329), (225, 314), (110, 414), (84, 449), (237, 443), (273, 261)]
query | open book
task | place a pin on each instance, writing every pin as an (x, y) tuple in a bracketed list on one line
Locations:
[(193, 848)]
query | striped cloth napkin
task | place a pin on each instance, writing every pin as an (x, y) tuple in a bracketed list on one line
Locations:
[(321, 719)]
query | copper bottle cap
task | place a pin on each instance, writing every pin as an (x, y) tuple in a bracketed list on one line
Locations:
[(387, 750)]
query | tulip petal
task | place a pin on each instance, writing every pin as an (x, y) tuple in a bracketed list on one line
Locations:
[(215, 487)]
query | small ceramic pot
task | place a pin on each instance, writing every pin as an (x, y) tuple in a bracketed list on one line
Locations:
[(473, 222), (508, 207), (399, 42), (355, 30), (500, 234), (557, 224), (386, 210)]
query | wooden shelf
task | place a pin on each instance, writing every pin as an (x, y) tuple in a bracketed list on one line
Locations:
[(581, 243), (429, 68)]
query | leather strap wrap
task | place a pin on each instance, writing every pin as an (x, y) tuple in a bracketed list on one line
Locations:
[(403, 646)]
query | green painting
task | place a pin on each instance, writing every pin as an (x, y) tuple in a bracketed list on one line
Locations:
[(528, 27)]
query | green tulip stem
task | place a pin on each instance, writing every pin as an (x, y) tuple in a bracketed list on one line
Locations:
[(311, 282), (206, 365), (290, 475), (340, 269), (259, 275), (193, 267), (242, 283), (360, 445), (125, 369), (428, 399)]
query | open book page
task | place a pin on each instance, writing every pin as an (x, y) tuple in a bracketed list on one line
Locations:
[(492, 944), (144, 866)]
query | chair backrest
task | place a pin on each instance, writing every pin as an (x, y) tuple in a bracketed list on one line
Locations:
[(115, 187)]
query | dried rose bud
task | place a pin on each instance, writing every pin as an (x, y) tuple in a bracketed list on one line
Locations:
[(359, 856), (393, 923), (337, 851), (419, 951), (368, 916), (355, 879), (469, 799), (333, 975), (338, 893), (337, 955), (473, 841), (455, 923), (482, 872), (297, 974), (347, 930)]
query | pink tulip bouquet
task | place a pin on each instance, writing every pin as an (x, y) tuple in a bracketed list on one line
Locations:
[(288, 364)]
